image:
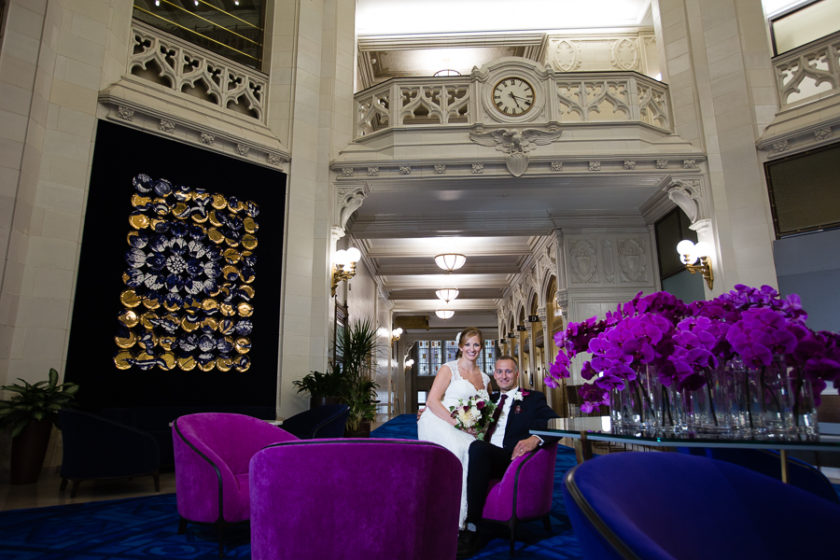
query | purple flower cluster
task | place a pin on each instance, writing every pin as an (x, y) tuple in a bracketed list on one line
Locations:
[(684, 342)]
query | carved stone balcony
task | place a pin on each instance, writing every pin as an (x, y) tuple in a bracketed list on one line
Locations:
[(188, 69), (604, 98), (809, 72)]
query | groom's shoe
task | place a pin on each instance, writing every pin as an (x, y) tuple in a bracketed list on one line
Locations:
[(468, 544)]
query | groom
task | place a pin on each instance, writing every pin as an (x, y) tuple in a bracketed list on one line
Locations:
[(521, 411)]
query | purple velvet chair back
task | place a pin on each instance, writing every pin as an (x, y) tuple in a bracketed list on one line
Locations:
[(660, 505), (525, 490), (354, 499), (212, 452)]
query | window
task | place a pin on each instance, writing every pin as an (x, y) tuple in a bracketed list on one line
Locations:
[(804, 24), (803, 191), (230, 28), (431, 354)]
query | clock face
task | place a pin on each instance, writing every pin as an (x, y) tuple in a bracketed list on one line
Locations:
[(513, 96)]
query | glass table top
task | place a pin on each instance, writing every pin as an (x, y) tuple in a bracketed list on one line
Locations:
[(597, 428)]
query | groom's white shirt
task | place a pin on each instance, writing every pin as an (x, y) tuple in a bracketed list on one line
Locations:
[(498, 436)]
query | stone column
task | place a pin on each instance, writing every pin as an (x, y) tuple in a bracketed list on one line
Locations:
[(717, 62)]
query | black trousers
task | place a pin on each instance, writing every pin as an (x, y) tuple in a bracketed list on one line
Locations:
[(487, 462)]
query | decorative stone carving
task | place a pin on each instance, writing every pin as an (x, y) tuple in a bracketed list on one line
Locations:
[(624, 54), (275, 159), (809, 72), (477, 168), (632, 261), (167, 125), (405, 170), (347, 171), (515, 142), (184, 67), (207, 138), (373, 171), (629, 164), (822, 134), (686, 197), (125, 113), (689, 164), (594, 165), (608, 260), (565, 56), (661, 163), (243, 149), (556, 166), (780, 145), (348, 199), (440, 169), (583, 258)]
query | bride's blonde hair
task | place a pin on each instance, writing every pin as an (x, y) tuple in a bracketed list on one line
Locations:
[(468, 332)]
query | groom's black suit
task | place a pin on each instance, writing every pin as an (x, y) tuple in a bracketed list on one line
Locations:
[(489, 462)]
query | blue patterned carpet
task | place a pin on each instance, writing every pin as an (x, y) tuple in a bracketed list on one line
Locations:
[(142, 528)]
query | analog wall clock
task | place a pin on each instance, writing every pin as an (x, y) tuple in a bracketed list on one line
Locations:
[(513, 96)]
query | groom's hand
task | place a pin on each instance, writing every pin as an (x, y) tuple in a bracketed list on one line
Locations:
[(525, 446)]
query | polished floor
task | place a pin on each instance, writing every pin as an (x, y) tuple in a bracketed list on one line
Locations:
[(47, 492)]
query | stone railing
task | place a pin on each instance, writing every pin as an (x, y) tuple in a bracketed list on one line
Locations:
[(809, 72), (578, 97), (188, 69)]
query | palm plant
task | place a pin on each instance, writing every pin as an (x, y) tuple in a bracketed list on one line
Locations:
[(356, 345)]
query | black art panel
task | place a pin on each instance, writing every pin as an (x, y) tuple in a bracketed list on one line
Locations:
[(178, 293)]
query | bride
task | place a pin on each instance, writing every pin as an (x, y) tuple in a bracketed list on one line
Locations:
[(459, 379)]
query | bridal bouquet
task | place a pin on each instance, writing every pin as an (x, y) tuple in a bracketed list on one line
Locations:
[(474, 415)]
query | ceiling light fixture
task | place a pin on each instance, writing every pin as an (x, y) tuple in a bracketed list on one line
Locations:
[(450, 261), (445, 313), (447, 294)]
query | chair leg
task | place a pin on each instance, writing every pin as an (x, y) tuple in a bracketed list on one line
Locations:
[(512, 535), (220, 531)]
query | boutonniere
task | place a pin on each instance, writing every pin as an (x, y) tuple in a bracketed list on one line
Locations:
[(519, 395)]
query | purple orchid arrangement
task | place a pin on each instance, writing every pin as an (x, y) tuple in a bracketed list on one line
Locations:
[(684, 343)]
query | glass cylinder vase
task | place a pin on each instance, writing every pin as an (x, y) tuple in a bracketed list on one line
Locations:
[(709, 408), (804, 410), (765, 406)]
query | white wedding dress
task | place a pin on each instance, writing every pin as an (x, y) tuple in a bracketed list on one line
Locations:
[(434, 429)]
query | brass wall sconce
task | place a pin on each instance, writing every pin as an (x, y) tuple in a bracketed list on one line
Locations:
[(345, 265), (690, 253), (396, 334)]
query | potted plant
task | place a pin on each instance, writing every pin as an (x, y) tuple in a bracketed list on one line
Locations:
[(361, 398), (323, 387), (356, 347), (30, 415)]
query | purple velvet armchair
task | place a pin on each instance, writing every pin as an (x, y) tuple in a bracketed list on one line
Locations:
[(660, 506), (354, 499), (212, 452), (524, 492)]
